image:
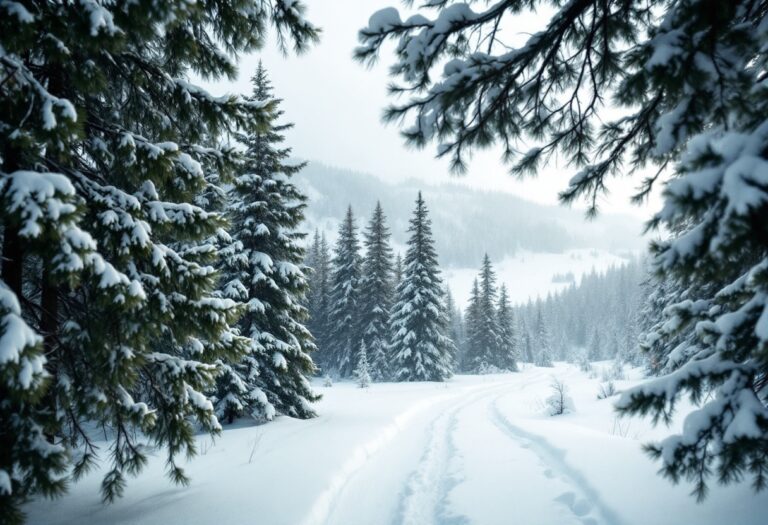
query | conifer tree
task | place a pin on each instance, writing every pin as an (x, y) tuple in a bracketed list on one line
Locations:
[(543, 351), (397, 276), (105, 146), (456, 325), (318, 296), (595, 346), (526, 341), (362, 370), (473, 336), (508, 343), (266, 274), (376, 294), (345, 331), (484, 350), (420, 348), (687, 76)]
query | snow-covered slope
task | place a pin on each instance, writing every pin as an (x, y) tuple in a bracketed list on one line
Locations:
[(529, 275), (466, 222), (474, 450)]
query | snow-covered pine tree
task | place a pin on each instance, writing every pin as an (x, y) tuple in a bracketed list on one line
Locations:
[(508, 350), (455, 323), (420, 348), (397, 276), (543, 344), (318, 296), (376, 294), (484, 350), (688, 75), (267, 275), (472, 336), (595, 345), (344, 334), (526, 343), (104, 147), (362, 370)]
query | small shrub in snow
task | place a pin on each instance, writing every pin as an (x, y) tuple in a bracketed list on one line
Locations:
[(485, 368), (558, 402), (327, 381), (362, 373), (583, 362), (615, 372), (606, 390)]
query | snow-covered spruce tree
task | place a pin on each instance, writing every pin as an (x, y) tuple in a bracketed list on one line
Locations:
[(344, 331), (266, 273), (362, 370), (318, 296), (376, 294), (542, 342), (397, 276), (484, 350), (689, 75), (420, 348), (104, 145), (472, 328), (595, 345), (508, 341), (455, 324)]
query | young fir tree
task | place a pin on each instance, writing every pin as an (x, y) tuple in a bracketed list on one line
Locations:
[(472, 327), (104, 147), (689, 82), (266, 273), (508, 342), (362, 370), (484, 350), (318, 296), (376, 294), (397, 276), (543, 342), (345, 334), (595, 346), (456, 324), (420, 348)]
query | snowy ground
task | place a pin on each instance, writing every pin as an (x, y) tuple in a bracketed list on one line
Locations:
[(537, 269), (475, 450)]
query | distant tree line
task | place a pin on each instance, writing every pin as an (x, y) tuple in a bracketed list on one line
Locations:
[(377, 315)]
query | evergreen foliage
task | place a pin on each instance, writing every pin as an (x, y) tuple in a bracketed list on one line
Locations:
[(397, 277), (108, 289), (542, 342), (362, 371), (456, 325), (263, 269), (599, 317), (318, 297), (688, 78), (420, 347), (376, 293), (508, 343), (484, 347), (345, 335), (472, 326)]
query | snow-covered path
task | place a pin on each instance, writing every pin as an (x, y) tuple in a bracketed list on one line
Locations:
[(476, 450)]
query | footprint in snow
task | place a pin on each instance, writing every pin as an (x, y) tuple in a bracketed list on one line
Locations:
[(578, 506)]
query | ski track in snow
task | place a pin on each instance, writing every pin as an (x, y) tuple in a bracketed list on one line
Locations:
[(583, 499), (322, 508), (425, 499)]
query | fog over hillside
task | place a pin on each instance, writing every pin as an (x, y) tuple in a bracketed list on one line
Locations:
[(466, 221)]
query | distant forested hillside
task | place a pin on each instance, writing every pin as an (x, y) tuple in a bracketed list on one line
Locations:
[(466, 222)]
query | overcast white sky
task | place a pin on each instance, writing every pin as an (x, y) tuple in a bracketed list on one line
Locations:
[(336, 105)]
